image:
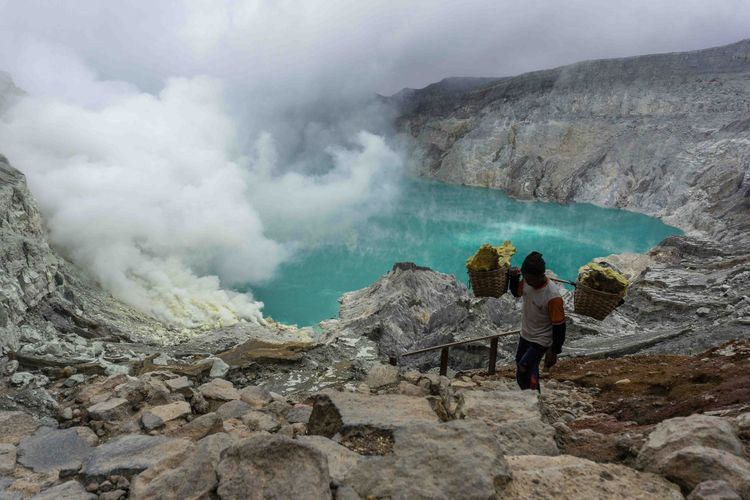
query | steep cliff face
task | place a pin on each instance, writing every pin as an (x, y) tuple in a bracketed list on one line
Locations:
[(667, 134)]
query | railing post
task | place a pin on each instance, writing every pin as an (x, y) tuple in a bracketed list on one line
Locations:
[(444, 361), (493, 356)]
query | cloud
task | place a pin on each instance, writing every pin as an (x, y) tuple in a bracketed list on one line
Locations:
[(180, 147)]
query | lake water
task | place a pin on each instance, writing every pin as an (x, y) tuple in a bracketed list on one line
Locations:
[(440, 226)]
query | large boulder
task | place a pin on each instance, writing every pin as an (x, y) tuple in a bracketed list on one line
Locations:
[(188, 474), (514, 416), (713, 490), (335, 412), (62, 450), (273, 466), (458, 459), (692, 465), (567, 477), (677, 433), (130, 454)]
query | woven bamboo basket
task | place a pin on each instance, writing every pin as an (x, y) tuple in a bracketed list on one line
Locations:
[(594, 303), (489, 283)]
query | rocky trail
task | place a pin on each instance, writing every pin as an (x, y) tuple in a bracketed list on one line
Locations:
[(399, 433)]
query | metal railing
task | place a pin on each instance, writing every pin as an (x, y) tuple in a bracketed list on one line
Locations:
[(444, 350)]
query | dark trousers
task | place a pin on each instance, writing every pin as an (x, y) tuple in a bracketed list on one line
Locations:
[(528, 357)]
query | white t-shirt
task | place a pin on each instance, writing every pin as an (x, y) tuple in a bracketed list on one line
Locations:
[(542, 308)]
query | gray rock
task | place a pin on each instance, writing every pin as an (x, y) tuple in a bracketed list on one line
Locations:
[(340, 459), (220, 390), (514, 416), (299, 413), (272, 466), (334, 412), (7, 458), (63, 450), (71, 490), (690, 466), (233, 409), (677, 433), (255, 396), (260, 421), (743, 425), (218, 368), (189, 474), (130, 454), (113, 495), (179, 384), (16, 425), (199, 428), (159, 415), (111, 409), (703, 311), (459, 459), (565, 476), (713, 490), (381, 375)]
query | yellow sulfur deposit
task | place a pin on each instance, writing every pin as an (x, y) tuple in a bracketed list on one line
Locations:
[(489, 258), (603, 277)]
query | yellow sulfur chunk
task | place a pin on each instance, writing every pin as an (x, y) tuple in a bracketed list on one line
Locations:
[(489, 258), (601, 276)]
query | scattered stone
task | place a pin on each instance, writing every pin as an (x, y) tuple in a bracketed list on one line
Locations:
[(22, 379), (7, 458), (692, 465), (10, 367), (92, 487), (272, 466), (159, 415), (703, 311), (74, 380), (66, 413), (63, 450), (677, 433), (458, 459), (299, 413), (130, 454), (198, 428), (340, 459), (197, 402), (220, 390), (256, 397), (105, 485), (334, 412), (72, 490), (218, 369), (233, 409), (189, 474), (566, 476), (713, 490), (111, 409), (623, 381), (179, 384), (260, 421), (381, 375), (113, 495)]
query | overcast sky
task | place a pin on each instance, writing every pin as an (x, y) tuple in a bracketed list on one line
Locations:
[(180, 147), (379, 46)]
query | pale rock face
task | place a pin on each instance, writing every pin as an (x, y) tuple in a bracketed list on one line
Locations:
[(664, 134)]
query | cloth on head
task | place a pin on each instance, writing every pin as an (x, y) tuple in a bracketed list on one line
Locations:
[(533, 264)]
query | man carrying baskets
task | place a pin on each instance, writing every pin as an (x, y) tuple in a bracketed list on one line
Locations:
[(542, 320)]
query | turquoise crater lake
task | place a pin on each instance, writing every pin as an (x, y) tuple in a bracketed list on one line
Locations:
[(440, 226)]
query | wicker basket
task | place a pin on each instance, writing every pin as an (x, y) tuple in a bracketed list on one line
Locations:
[(489, 283), (593, 303)]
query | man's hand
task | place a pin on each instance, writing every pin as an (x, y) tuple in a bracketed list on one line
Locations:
[(549, 360), (514, 271)]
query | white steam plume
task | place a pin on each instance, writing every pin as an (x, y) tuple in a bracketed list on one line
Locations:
[(149, 193)]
